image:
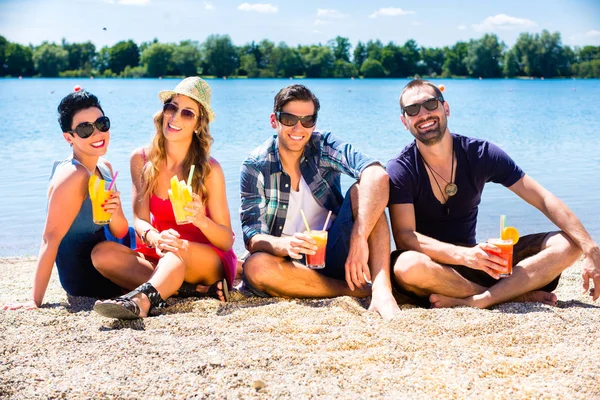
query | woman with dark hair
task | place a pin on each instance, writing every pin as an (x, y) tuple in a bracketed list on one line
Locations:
[(70, 233), (194, 259)]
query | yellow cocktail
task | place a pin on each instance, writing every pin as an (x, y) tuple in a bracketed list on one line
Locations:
[(180, 195), (98, 195)]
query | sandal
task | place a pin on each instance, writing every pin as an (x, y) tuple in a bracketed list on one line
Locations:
[(126, 308), (189, 290)]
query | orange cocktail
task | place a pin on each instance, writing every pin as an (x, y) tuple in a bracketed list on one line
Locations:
[(505, 252), (317, 260)]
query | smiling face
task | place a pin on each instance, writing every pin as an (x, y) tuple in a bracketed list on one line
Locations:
[(177, 127), (428, 127), (97, 143), (292, 139)]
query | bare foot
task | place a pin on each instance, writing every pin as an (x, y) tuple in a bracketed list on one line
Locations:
[(385, 304), (537, 296), (140, 299), (441, 301)]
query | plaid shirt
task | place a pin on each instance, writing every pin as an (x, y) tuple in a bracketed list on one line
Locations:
[(265, 187)]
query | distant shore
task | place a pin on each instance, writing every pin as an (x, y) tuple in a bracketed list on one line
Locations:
[(275, 348)]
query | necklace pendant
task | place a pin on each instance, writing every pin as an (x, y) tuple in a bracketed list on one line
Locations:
[(451, 189)]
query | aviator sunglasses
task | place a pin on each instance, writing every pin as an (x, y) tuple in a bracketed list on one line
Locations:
[(85, 129), (429, 104), (307, 121), (170, 109)]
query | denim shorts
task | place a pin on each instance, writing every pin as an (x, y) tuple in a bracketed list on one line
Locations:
[(338, 247)]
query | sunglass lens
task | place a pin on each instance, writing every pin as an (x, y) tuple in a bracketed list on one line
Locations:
[(308, 121), (187, 115), (288, 119), (84, 130), (412, 110), (103, 124), (431, 104), (170, 109)]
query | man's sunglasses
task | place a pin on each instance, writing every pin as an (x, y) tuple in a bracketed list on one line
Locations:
[(307, 121), (85, 129), (429, 104), (170, 109)]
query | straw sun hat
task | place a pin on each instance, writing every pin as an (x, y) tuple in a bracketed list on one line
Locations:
[(194, 88)]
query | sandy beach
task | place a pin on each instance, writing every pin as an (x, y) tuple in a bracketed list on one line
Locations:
[(273, 348)]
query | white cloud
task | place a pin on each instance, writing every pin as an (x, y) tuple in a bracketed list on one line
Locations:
[(328, 13), (390, 12), (261, 8), (503, 22), (593, 33), (462, 27), (208, 6), (129, 2), (320, 22)]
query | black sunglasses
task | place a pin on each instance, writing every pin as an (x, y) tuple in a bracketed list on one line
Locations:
[(429, 104), (85, 129), (287, 119), (170, 109)]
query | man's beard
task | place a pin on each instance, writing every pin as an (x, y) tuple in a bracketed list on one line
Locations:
[(433, 136)]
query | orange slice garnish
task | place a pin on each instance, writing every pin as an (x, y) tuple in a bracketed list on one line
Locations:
[(510, 233)]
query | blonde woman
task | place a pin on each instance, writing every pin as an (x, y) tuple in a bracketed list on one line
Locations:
[(194, 259)]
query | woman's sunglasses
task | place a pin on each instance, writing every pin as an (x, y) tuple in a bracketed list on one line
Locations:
[(170, 109), (307, 121), (429, 104), (85, 129)]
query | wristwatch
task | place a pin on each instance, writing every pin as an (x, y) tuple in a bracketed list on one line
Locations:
[(144, 236)]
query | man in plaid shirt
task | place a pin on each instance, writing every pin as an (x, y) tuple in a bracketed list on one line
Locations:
[(298, 170)]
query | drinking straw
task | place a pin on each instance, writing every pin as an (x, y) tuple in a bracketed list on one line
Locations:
[(305, 221), (189, 181), (502, 224), (114, 178), (327, 220)]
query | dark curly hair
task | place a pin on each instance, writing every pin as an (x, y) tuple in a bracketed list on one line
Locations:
[(73, 103)]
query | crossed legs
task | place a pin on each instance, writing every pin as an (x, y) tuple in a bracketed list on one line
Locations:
[(445, 287), (198, 264)]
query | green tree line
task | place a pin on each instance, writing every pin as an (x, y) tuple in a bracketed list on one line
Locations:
[(536, 55)]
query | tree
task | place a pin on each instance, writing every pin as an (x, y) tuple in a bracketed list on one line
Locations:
[(510, 66), (123, 54), (3, 58), (484, 56), (19, 60), (249, 66), (318, 61), (372, 69), (289, 61), (374, 49), (220, 58), (433, 60), (454, 64), (410, 58), (157, 58), (186, 58), (49, 59), (340, 46), (344, 69), (80, 55), (392, 60), (359, 55)]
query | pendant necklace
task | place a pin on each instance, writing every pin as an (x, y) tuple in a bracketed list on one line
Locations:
[(451, 188)]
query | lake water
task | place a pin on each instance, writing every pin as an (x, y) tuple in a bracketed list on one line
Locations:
[(550, 128)]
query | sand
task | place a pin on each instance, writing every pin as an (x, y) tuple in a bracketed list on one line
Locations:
[(299, 349)]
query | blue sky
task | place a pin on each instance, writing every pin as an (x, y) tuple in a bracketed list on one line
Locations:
[(432, 23)]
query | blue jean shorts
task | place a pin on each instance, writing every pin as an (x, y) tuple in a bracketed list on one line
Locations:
[(338, 247)]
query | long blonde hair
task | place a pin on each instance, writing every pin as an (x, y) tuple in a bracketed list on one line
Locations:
[(198, 154)]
